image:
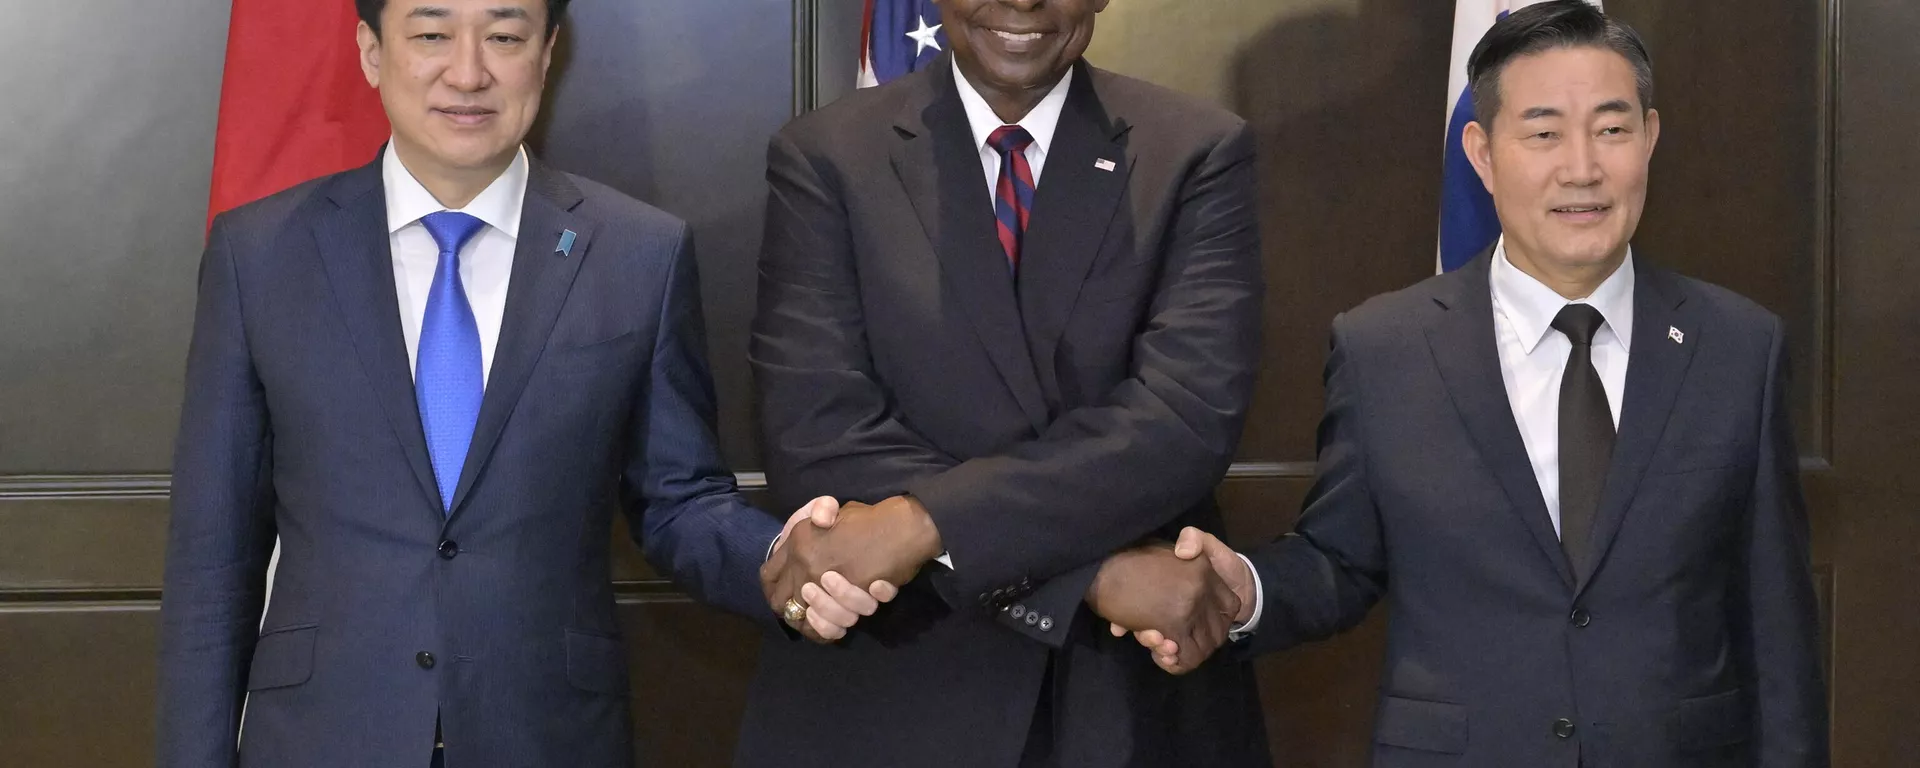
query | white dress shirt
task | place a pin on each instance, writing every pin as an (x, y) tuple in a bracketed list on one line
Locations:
[(1533, 360), (1040, 123), (486, 261), (1533, 357)]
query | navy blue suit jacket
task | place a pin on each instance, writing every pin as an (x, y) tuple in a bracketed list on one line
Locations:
[(387, 613), (1689, 640)]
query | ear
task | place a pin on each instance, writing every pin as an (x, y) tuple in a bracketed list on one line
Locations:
[(546, 55), (369, 42), (1653, 130), (1479, 148)]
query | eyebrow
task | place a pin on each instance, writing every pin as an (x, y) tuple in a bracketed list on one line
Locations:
[(504, 13), (1535, 113)]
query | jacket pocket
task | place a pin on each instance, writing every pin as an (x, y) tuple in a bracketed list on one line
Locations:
[(283, 657), (1431, 726), (1713, 721), (596, 664)]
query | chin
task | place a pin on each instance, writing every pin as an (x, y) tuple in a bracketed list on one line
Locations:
[(472, 154), (1585, 256)]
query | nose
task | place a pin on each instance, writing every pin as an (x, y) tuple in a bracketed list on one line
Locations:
[(467, 71), (1581, 162)]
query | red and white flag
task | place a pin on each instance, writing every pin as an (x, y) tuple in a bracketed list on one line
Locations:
[(294, 104)]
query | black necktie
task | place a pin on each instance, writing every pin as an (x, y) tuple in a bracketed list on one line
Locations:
[(1586, 433)]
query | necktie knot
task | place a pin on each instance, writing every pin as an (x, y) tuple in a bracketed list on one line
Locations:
[(1008, 139), (451, 230), (1579, 322)]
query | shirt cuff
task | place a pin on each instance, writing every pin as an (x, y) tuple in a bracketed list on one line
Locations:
[(1241, 632), (777, 538), (946, 559)]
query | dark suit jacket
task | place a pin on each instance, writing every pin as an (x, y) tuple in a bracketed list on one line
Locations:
[(300, 421), (1690, 640), (1044, 421)]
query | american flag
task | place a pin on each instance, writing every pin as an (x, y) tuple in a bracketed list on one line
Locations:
[(900, 36)]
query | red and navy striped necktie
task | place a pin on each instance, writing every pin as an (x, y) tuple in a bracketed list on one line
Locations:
[(1013, 193)]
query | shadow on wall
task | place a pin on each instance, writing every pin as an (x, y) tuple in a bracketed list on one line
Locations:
[(1347, 107)]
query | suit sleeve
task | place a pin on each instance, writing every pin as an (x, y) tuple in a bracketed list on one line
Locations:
[(220, 533), (681, 501), (1322, 578), (1777, 615), (1100, 478)]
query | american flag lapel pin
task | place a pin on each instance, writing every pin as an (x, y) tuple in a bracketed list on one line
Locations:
[(1676, 335), (1104, 164)]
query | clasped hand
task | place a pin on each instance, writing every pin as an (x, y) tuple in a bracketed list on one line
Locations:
[(1181, 601), (829, 549)]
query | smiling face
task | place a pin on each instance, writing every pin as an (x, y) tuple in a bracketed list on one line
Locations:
[(1015, 46), (461, 80), (1566, 159)]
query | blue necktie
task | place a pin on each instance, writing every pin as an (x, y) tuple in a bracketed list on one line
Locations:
[(448, 382)]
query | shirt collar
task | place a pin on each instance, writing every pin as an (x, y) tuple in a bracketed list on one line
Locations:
[(498, 205), (1040, 122), (1530, 306)]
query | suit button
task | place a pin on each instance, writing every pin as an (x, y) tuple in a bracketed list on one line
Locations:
[(1580, 617), (449, 550), (1019, 611), (424, 659), (1046, 623), (1033, 617), (1563, 728)]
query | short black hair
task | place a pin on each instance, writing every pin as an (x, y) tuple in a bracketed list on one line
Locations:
[(370, 11), (1548, 26)]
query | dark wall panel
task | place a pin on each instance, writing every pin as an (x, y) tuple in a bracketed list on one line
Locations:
[(673, 102)]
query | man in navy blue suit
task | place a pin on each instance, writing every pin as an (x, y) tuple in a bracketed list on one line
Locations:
[(1570, 473), (432, 379)]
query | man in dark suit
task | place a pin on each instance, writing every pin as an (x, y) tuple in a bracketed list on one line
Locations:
[(1571, 472), (1012, 302), (432, 379)]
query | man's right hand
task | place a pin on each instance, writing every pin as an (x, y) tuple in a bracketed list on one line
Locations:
[(1151, 588), (1231, 571)]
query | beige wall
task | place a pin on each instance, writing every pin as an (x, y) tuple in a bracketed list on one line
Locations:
[(1191, 45)]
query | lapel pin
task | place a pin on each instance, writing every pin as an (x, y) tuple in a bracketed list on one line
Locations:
[(565, 247), (1105, 165), (1676, 335)]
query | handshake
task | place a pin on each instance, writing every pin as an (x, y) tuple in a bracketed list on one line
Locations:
[(835, 564)]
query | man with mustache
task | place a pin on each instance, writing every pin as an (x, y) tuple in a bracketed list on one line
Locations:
[(1570, 472), (433, 378), (1010, 307)]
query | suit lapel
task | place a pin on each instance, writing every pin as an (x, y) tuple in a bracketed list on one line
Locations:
[(1655, 367), (353, 244), (541, 279), (1073, 205), (1464, 348), (939, 166)]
